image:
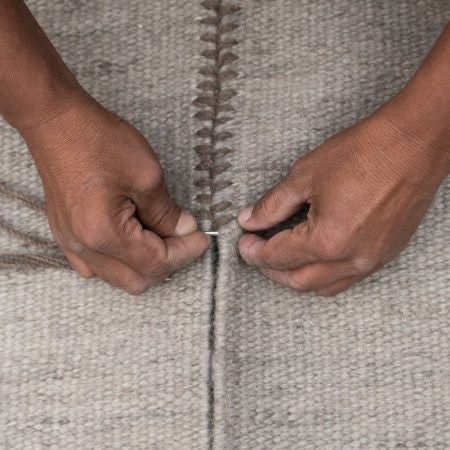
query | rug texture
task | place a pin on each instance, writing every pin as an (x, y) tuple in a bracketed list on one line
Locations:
[(83, 365), (229, 93), (369, 368)]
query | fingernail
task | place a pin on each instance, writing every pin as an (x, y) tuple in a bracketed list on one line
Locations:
[(186, 224), (245, 214)]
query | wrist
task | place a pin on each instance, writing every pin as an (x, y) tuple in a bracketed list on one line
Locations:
[(44, 105), (421, 120), (420, 115), (420, 112), (419, 143), (412, 138), (69, 119)]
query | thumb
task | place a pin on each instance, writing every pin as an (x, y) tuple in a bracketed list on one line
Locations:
[(158, 212), (274, 207)]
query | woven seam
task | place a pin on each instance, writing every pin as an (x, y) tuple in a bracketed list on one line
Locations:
[(215, 108)]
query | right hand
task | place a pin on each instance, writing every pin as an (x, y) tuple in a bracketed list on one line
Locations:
[(108, 206)]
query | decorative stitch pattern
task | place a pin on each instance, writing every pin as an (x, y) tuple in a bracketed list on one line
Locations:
[(214, 107)]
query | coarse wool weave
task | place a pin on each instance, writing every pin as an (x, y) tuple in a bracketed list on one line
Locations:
[(229, 93), (369, 368), (84, 365)]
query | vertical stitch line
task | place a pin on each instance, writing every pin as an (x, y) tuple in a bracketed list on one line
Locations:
[(212, 345), (213, 99)]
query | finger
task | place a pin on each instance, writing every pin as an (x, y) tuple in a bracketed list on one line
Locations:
[(150, 255), (344, 284), (185, 249), (286, 250), (158, 212), (339, 286), (276, 206), (78, 264), (312, 277), (118, 274)]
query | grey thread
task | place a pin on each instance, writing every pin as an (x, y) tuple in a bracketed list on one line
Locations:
[(22, 198), (28, 261), (28, 238), (32, 261)]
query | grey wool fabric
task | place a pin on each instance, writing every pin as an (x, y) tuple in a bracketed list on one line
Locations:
[(84, 365), (229, 94)]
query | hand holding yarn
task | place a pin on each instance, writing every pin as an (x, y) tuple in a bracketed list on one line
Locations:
[(108, 205)]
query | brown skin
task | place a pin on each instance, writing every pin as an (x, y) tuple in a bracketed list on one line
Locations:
[(368, 188), (108, 206)]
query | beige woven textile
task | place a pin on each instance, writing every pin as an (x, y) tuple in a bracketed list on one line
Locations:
[(83, 365), (219, 357), (371, 367)]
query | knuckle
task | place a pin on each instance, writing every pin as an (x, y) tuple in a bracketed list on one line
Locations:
[(285, 188), (64, 239), (301, 281), (158, 264), (151, 178), (269, 203), (98, 240), (73, 245), (334, 241), (300, 285), (93, 232), (136, 287), (364, 263), (334, 248), (298, 169), (300, 176), (164, 211), (157, 273), (159, 255)]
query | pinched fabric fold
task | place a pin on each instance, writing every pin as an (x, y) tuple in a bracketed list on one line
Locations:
[(229, 93)]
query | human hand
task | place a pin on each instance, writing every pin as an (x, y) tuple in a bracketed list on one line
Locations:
[(108, 206), (368, 188)]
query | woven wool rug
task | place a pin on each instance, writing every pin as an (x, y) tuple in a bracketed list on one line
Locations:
[(369, 368), (84, 365), (218, 356)]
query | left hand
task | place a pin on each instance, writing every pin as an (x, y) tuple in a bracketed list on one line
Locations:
[(368, 188)]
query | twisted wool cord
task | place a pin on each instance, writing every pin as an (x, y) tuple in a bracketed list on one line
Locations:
[(27, 238), (22, 198), (30, 261)]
